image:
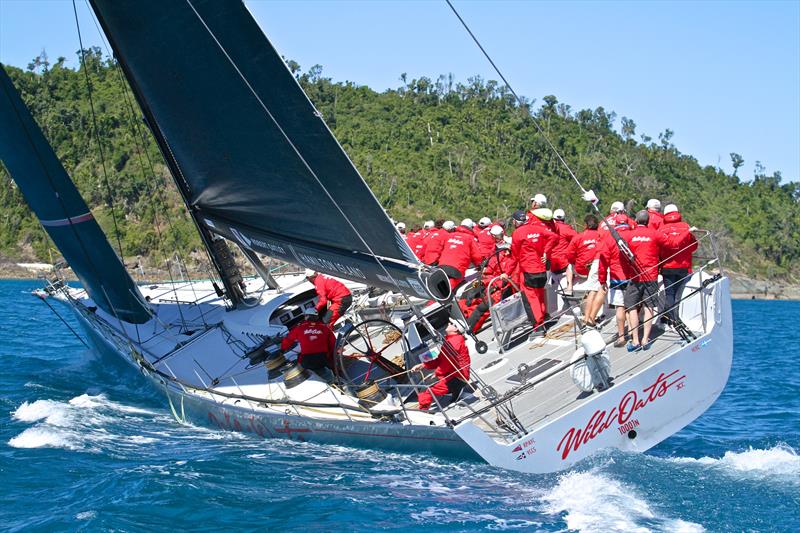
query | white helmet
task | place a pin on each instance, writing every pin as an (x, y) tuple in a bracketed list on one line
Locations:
[(428, 224), (653, 203), (670, 208), (449, 225), (468, 223), (310, 273), (559, 214), (617, 207), (540, 199), (496, 231), (485, 221)]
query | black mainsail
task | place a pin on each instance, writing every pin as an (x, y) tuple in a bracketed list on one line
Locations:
[(253, 158), (54, 199)]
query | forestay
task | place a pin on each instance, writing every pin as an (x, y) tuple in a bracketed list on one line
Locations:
[(255, 159), (65, 216)]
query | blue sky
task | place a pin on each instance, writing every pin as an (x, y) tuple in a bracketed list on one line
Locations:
[(724, 76)]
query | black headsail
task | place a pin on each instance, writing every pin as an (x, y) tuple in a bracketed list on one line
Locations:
[(57, 203), (252, 156)]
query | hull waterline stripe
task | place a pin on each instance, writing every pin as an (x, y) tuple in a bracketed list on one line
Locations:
[(67, 221)]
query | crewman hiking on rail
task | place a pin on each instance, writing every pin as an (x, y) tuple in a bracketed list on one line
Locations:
[(451, 366), (333, 297)]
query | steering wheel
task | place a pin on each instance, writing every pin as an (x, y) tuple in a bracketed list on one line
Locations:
[(368, 343)]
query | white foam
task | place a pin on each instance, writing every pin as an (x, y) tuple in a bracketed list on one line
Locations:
[(77, 424), (86, 515), (593, 502), (435, 515), (780, 461)]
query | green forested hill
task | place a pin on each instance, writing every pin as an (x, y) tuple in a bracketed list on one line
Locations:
[(428, 149)]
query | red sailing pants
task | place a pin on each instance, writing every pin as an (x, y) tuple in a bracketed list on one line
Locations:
[(440, 388)]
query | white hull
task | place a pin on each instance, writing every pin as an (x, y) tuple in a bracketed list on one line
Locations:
[(655, 401)]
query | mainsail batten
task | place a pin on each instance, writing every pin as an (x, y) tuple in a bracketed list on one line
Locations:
[(65, 216), (252, 149)]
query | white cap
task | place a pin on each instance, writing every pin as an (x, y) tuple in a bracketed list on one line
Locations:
[(468, 223), (310, 273), (496, 231), (617, 207), (401, 225), (670, 208), (540, 199), (485, 221), (449, 225), (653, 203), (428, 224), (559, 214)]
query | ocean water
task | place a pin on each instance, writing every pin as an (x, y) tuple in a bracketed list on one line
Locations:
[(86, 444)]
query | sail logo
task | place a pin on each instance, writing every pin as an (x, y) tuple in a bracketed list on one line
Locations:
[(620, 414)]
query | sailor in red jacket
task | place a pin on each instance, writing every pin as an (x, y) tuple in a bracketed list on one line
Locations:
[(436, 239), (312, 341), (676, 257), (614, 273), (616, 216), (654, 210), (334, 297), (459, 252), (647, 246), (485, 239), (531, 246), (559, 260), (418, 243), (582, 253), (499, 264), (451, 366)]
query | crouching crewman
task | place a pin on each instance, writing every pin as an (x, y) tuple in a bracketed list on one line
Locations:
[(451, 367), (312, 342)]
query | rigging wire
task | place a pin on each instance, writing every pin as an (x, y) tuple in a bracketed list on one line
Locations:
[(97, 134), (520, 101), (65, 323)]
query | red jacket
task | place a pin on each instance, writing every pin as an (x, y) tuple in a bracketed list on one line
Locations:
[(416, 241), (328, 289), (559, 259), (681, 243), (314, 337), (434, 245), (453, 361), (612, 259), (485, 242), (529, 243), (460, 249), (656, 219), (647, 245), (615, 219), (583, 249)]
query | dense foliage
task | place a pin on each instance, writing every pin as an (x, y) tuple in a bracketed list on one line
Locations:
[(428, 149)]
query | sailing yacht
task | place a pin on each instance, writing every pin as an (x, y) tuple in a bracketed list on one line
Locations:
[(259, 170)]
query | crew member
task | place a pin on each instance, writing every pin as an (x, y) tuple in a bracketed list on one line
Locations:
[(676, 259), (559, 260), (451, 367), (460, 250), (654, 210), (485, 239), (312, 341), (582, 253), (538, 201), (435, 243), (616, 215), (647, 246), (417, 243), (334, 297), (499, 264), (615, 267), (531, 245)]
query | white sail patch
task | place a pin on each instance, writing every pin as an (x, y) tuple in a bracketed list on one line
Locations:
[(590, 501)]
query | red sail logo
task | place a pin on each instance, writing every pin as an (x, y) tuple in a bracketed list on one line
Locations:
[(601, 420)]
